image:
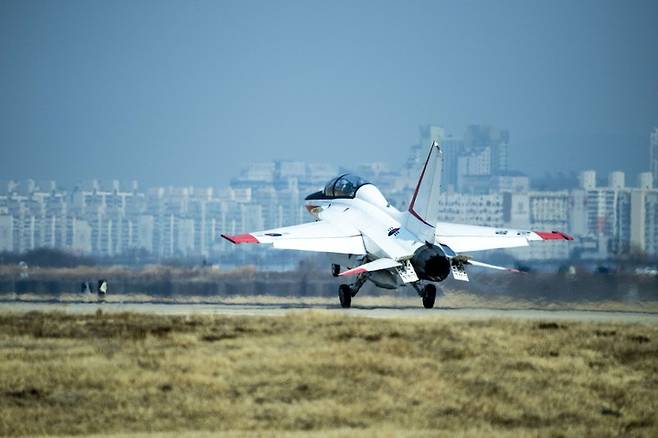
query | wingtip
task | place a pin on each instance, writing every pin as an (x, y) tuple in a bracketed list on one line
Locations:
[(240, 238), (553, 235)]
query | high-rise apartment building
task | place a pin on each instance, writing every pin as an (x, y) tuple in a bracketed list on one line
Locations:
[(587, 179), (645, 181), (479, 137), (653, 153), (453, 148), (482, 154)]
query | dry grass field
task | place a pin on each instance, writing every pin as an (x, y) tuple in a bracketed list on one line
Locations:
[(321, 373)]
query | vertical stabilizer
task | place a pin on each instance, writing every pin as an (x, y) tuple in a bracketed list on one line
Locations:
[(424, 205)]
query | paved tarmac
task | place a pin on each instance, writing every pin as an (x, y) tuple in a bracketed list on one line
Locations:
[(364, 311)]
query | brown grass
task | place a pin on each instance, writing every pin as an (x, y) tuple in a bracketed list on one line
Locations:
[(324, 373)]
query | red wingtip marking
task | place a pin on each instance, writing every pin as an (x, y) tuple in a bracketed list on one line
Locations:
[(240, 238), (354, 271), (553, 235)]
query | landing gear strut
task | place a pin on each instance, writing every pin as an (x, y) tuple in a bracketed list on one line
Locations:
[(346, 292), (345, 296), (427, 293), (429, 296)]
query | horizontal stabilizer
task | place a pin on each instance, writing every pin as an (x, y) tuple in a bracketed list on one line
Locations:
[(375, 265), (467, 238)]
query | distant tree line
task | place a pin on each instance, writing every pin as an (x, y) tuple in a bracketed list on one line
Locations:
[(47, 257), (307, 280)]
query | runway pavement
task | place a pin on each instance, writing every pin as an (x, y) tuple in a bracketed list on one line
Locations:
[(259, 309)]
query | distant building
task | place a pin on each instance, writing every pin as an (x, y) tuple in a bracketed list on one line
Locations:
[(481, 155), (514, 182), (578, 212), (260, 172), (516, 210), (546, 211), (479, 137), (651, 223), (587, 179), (619, 215), (637, 230), (653, 153), (6, 233), (318, 174), (486, 210), (474, 171), (616, 180), (645, 181), (453, 148), (80, 232), (428, 134)]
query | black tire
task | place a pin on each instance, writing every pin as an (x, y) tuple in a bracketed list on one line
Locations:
[(429, 296), (345, 296), (335, 270)]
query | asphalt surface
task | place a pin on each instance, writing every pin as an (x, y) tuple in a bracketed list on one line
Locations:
[(364, 311)]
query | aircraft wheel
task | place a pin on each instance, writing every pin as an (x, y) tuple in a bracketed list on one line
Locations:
[(335, 270), (345, 296), (429, 296)]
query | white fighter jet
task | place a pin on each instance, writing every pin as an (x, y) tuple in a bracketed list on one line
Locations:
[(364, 233)]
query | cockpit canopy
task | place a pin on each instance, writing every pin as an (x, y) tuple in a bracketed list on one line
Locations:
[(344, 186)]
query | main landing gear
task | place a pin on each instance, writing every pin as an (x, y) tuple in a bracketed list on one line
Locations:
[(427, 293), (346, 292)]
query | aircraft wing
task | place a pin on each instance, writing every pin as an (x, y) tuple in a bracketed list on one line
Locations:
[(466, 238), (321, 236)]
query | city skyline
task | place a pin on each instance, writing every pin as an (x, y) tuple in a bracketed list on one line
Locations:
[(613, 216)]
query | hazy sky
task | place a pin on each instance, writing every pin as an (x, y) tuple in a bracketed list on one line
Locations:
[(186, 92)]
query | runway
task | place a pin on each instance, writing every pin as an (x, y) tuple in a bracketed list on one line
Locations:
[(259, 309)]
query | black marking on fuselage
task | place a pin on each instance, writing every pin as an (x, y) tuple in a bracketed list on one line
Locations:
[(393, 231)]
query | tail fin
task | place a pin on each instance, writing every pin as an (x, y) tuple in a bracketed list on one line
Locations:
[(424, 204)]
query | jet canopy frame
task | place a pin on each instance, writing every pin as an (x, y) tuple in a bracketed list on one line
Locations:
[(343, 186)]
